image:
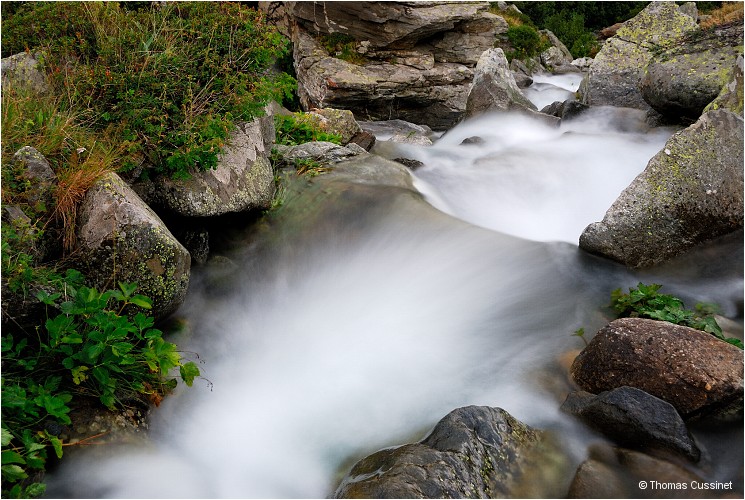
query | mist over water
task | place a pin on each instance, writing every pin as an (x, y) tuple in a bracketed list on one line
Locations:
[(364, 330)]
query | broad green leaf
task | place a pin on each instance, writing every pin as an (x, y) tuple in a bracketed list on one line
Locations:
[(56, 444), (78, 374), (189, 371), (13, 473), (12, 457), (128, 289), (7, 437), (35, 490), (142, 301)]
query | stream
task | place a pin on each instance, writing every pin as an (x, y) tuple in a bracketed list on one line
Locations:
[(362, 316)]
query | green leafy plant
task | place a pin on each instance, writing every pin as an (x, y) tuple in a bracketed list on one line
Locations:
[(645, 301), (298, 129), (342, 46), (526, 41)]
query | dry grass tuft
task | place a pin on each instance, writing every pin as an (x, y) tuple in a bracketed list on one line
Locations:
[(727, 13)]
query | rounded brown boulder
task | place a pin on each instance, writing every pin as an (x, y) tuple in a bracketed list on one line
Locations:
[(694, 371)]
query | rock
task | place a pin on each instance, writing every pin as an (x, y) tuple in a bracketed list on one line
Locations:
[(336, 121), (583, 63), (365, 140), (690, 10), (634, 419), (242, 181), (494, 87), (731, 95), (473, 452), (197, 242), (619, 66), (565, 110), (323, 153), (22, 71), (384, 130), (618, 473), (417, 57), (610, 31), (690, 192), (557, 55), (411, 138), (521, 73), (472, 140), (694, 371), (38, 175), (120, 239), (684, 79), (408, 162)]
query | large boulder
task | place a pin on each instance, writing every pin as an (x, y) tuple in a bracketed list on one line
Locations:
[(731, 95), (414, 59), (685, 78), (121, 239), (615, 74), (494, 87), (694, 371), (690, 192), (242, 181), (473, 452)]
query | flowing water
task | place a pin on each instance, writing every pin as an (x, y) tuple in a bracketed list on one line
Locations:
[(363, 315)]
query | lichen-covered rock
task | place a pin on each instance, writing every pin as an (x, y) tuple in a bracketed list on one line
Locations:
[(634, 419), (38, 174), (22, 71), (319, 152), (700, 375), (494, 88), (242, 181), (684, 79), (336, 121), (731, 95), (121, 239), (690, 192), (473, 452), (619, 66)]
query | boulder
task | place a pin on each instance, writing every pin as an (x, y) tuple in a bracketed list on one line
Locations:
[(583, 63), (23, 71), (615, 74), (415, 58), (557, 56), (473, 452), (731, 95), (38, 175), (634, 419), (618, 473), (690, 192), (336, 121), (320, 152), (521, 73), (121, 239), (385, 129), (700, 375), (242, 181), (494, 88), (682, 80)]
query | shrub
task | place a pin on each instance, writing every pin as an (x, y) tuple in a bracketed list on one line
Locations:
[(569, 27), (526, 41), (341, 46), (97, 346), (173, 78), (298, 128)]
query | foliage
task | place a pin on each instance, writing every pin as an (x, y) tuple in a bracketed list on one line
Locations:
[(727, 13), (569, 27), (341, 46), (526, 41), (597, 15), (173, 78), (97, 346), (646, 302), (299, 128)]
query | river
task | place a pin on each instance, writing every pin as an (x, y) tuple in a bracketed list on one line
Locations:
[(357, 320)]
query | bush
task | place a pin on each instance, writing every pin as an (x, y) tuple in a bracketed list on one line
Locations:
[(569, 27), (298, 129), (173, 78), (525, 40)]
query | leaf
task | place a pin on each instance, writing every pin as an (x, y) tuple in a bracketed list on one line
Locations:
[(12, 457), (734, 341), (121, 348), (142, 301), (7, 437), (101, 374), (56, 444), (128, 289), (13, 473), (78, 374), (35, 490), (189, 371)]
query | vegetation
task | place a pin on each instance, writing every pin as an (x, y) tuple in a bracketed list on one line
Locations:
[(728, 12), (526, 41), (341, 46), (300, 128), (646, 302), (170, 78)]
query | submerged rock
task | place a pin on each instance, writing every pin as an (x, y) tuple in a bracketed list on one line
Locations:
[(689, 193), (700, 375), (120, 238), (473, 452)]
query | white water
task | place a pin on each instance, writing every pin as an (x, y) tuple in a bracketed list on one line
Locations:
[(339, 342)]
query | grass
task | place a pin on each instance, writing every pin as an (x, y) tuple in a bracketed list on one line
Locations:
[(727, 13)]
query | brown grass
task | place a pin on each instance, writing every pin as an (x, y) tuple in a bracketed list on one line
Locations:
[(727, 13)]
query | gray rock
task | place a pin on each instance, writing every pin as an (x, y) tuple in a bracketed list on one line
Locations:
[(494, 88), (689, 9), (521, 73), (634, 419), (614, 76), (411, 138), (242, 181), (684, 79), (120, 239), (409, 163), (700, 375), (731, 95), (583, 63), (39, 176), (22, 71), (473, 452), (690, 192), (386, 129), (557, 55), (336, 121), (323, 153)]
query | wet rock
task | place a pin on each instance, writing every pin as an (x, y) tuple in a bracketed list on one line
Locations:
[(521, 73), (365, 140), (473, 452), (681, 81), (408, 162), (242, 181), (690, 192), (700, 375), (565, 110), (634, 419), (411, 138), (23, 71), (494, 88), (614, 76), (120, 238), (621, 473), (472, 140)]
